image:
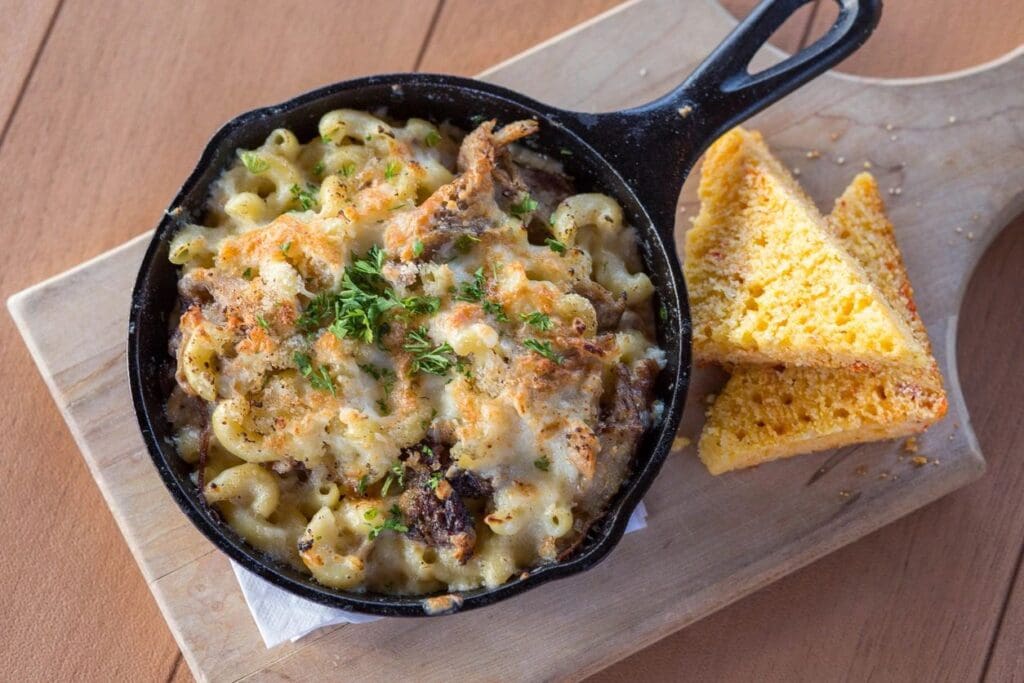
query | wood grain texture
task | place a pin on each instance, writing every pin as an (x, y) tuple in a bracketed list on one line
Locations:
[(22, 33), (791, 34), (998, 384), (471, 36), (922, 37), (677, 581), (133, 631), (118, 107), (920, 599)]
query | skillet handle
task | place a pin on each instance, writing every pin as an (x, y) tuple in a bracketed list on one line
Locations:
[(655, 145), (729, 94)]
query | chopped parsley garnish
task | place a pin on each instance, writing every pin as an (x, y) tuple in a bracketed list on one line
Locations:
[(348, 168), (543, 348), (431, 138), (263, 322), (542, 463), (472, 291), (394, 522), (525, 205), (318, 377), (426, 357), (306, 197), (421, 304), (539, 320), (363, 483), (555, 245), (663, 313), (370, 514), (358, 309), (391, 170), (434, 480), (325, 138), (565, 152), (417, 248), (247, 274), (465, 242), (254, 162), (318, 170), (397, 473), (495, 309), (285, 247)]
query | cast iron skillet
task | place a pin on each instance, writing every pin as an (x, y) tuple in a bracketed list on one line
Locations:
[(640, 156)]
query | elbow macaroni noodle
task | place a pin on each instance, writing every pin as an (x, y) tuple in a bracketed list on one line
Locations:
[(338, 400)]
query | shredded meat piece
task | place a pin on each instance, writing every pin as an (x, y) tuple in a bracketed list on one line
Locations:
[(434, 509), (439, 521), (463, 206), (608, 307), (547, 188), (469, 484), (624, 418)]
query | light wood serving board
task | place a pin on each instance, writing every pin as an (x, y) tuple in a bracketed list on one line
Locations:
[(951, 149)]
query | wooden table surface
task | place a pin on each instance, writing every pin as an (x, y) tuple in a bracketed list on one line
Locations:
[(103, 108)]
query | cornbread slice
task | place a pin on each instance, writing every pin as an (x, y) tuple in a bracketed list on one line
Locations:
[(768, 282), (765, 413)]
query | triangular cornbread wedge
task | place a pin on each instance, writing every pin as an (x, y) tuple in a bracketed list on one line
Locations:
[(765, 413), (767, 281)]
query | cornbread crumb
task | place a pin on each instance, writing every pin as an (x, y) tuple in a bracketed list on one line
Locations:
[(813, 154), (910, 445), (861, 470), (685, 111), (680, 443), (919, 461)]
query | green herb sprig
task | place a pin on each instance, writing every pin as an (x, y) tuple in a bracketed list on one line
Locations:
[(318, 376), (255, 163), (394, 522), (545, 349), (427, 357), (537, 320)]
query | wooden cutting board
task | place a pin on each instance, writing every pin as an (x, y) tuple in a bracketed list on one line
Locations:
[(951, 150)]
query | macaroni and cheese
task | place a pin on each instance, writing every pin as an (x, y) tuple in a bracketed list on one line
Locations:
[(407, 363)]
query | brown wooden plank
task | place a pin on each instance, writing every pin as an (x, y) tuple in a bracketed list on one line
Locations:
[(790, 34), (120, 103), (924, 37), (920, 599), (993, 292), (22, 32), (471, 36), (43, 412)]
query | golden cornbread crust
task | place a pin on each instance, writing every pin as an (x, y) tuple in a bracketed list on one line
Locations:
[(769, 283), (765, 413)]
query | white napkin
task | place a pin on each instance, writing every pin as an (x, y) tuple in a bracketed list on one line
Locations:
[(281, 616)]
